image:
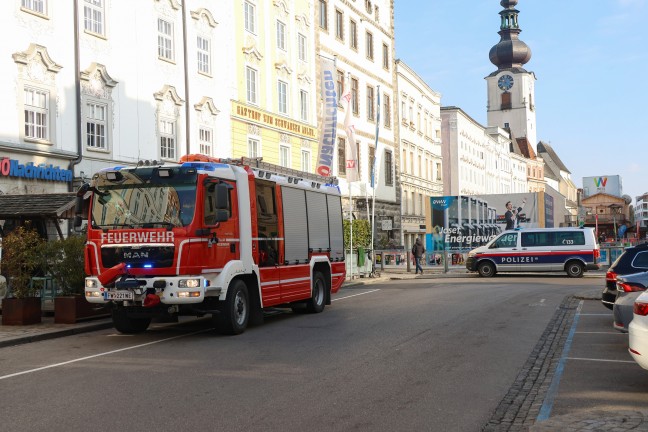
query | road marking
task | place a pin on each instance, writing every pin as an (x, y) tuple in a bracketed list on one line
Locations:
[(547, 405), (614, 333), (355, 295), (599, 314), (99, 355), (600, 360)]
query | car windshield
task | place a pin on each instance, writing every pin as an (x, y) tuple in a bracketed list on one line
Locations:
[(143, 198)]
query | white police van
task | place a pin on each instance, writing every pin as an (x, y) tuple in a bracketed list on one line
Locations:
[(573, 250)]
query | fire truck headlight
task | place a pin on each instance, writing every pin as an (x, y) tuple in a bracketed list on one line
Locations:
[(92, 294), (185, 294), (91, 283), (189, 283)]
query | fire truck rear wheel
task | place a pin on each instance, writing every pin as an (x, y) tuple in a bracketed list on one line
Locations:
[(235, 314), (126, 325), (318, 300)]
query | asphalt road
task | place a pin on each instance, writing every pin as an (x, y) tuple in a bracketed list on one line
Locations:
[(419, 355)]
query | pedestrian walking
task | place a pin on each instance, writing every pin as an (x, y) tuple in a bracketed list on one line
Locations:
[(418, 251)]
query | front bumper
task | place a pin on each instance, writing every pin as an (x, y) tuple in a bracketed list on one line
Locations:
[(471, 264), (170, 290)]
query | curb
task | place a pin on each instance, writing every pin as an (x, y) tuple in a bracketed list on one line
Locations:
[(55, 334)]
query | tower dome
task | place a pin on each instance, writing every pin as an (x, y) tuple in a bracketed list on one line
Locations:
[(510, 51)]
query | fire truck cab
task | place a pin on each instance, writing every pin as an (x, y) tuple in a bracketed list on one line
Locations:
[(207, 236)]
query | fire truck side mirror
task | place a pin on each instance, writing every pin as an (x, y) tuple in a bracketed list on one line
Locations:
[(78, 214), (221, 200)]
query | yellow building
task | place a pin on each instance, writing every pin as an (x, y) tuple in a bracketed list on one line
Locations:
[(274, 108)]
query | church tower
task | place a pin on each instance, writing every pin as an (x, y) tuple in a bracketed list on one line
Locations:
[(511, 88)]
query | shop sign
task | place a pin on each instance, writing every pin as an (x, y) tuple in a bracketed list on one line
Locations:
[(12, 168)]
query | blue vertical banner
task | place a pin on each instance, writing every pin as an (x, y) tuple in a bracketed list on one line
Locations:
[(329, 118)]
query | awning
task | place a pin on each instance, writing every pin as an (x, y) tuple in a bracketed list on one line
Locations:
[(55, 206)]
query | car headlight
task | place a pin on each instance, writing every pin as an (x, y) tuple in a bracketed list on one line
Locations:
[(91, 283)]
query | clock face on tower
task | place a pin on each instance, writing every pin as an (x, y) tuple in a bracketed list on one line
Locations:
[(505, 82)]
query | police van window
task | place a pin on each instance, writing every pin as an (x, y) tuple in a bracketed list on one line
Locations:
[(570, 238), (506, 241), (537, 239)]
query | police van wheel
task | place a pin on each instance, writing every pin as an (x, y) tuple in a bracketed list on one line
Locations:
[(318, 300), (235, 314), (574, 269), (486, 269)]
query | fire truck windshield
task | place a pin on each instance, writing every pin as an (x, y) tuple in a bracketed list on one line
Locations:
[(140, 198)]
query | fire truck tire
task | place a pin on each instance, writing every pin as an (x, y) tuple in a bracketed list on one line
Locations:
[(318, 300), (235, 314), (126, 325)]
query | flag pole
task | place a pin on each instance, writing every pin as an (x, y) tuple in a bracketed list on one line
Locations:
[(374, 180), (351, 230)]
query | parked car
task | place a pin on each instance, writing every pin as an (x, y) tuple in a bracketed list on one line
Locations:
[(638, 329), (632, 260), (628, 288)]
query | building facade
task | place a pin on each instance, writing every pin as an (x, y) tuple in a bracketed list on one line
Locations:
[(273, 112), (359, 38), (421, 166)]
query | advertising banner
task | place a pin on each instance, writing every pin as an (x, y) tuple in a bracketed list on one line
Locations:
[(329, 118), (461, 223)]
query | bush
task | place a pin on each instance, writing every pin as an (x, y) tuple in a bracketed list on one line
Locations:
[(21, 253), (62, 259), (361, 233)]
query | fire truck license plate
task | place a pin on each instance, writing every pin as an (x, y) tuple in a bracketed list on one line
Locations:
[(118, 295)]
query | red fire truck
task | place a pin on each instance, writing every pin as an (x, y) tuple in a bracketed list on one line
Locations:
[(209, 236)]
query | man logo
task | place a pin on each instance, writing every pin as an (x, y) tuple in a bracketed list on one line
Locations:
[(136, 255)]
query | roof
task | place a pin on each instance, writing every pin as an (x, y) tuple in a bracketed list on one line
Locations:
[(36, 205), (543, 147), (526, 148)]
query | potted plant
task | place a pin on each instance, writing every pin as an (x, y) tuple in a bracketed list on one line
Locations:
[(64, 261), (20, 260)]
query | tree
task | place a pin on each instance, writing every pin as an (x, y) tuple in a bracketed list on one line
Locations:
[(21, 258)]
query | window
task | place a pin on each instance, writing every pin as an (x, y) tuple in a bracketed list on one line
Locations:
[(96, 126), (354, 96), (167, 139), (284, 156), (251, 84), (386, 111), (438, 172), (353, 34), (306, 160), (323, 15), (204, 62), (303, 105), (370, 103), (505, 241), (340, 83), (339, 24), (369, 45), (302, 47), (165, 39), (341, 157), (36, 114), (385, 56), (281, 35), (93, 16), (389, 177), (250, 17), (38, 6), (282, 97), (206, 141), (253, 148)]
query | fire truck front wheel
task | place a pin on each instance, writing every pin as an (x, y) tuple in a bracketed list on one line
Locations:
[(127, 325), (318, 300), (235, 312)]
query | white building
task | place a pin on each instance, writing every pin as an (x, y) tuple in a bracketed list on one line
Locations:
[(478, 160), (641, 210), (114, 82), (420, 146), (359, 36)]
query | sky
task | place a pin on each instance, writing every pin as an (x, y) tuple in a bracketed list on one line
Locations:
[(590, 59)]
